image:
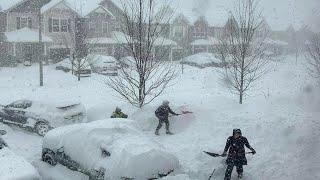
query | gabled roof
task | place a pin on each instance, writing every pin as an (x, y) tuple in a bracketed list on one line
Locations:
[(101, 8), (6, 5), (81, 7)]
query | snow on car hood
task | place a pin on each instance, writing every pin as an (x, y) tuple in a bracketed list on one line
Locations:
[(132, 153), (14, 167), (58, 114)]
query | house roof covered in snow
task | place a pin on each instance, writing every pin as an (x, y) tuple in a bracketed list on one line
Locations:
[(8, 4), (25, 35), (161, 41), (81, 7), (121, 38), (275, 42), (205, 42)]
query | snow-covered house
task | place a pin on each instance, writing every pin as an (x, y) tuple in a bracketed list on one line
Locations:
[(19, 22), (63, 19), (179, 32)]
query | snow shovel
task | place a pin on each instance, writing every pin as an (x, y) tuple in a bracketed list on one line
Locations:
[(220, 155), (187, 112), (212, 174)]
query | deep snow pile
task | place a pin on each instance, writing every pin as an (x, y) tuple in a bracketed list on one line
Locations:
[(132, 153), (14, 167)]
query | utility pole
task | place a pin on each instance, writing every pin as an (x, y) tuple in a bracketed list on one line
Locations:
[(40, 45)]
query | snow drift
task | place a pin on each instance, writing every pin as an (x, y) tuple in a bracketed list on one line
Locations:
[(14, 167)]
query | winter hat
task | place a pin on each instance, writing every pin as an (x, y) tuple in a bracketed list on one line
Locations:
[(118, 109), (165, 102), (237, 131)]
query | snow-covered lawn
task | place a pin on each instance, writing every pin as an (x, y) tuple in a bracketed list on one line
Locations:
[(280, 118)]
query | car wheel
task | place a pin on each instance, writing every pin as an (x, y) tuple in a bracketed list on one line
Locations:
[(48, 157), (42, 128)]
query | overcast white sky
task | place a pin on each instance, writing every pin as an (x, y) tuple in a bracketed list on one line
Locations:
[(279, 13)]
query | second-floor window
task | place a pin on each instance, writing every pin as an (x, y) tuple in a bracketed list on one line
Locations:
[(55, 25), (199, 32), (178, 31), (64, 25), (105, 27), (59, 25), (23, 22)]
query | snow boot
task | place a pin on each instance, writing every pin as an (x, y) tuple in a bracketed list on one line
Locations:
[(240, 176), (157, 133), (169, 133)]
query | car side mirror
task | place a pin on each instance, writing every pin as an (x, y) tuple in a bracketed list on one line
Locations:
[(3, 132)]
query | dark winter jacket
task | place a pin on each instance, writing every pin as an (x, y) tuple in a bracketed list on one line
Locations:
[(163, 112), (2, 143), (236, 154), (118, 115)]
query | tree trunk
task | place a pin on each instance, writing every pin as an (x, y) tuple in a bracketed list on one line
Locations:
[(40, 47), (242, 80), (78, 69), (141, 92)]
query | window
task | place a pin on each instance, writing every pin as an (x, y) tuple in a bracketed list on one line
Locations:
[(178, 31), (199, 32), (64, 25), (23, 22), (92, 27), (105, 27), (55, 25)]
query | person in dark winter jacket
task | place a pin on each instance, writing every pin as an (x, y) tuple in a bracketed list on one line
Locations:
[(3, 143), (118, 114), (237, 154), (162, 114)]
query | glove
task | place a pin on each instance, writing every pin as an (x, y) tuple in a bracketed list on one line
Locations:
[(224, 154), (253, 151)]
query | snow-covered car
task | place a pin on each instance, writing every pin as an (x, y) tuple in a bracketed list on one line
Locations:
[(13, 166), (105, 65), (127, 62), (41, 117), (66, 66), (108, 149)]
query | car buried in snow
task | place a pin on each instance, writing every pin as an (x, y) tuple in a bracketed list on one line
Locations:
[(13, 166), (108, 149), (41, 117), (82, 67)]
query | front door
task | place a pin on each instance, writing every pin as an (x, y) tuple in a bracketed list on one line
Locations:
[(28, 53)]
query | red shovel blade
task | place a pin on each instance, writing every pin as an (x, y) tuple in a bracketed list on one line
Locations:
[(187, 112)]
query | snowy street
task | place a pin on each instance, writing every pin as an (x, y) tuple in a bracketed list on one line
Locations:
[(280, 118)]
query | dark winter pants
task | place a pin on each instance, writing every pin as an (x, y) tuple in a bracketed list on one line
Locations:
[(229, 171), (161, 121)]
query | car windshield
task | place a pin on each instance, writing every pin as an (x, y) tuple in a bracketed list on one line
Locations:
[(21, 104)]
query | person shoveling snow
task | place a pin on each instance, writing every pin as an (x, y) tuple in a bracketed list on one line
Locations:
[(237, 154), (119, 114), (162, 113)]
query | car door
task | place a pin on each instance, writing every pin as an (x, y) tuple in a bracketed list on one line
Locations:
[(15, 115)]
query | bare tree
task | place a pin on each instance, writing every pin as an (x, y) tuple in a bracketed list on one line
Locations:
[(143, 25), (243, 43), (313, 54)]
